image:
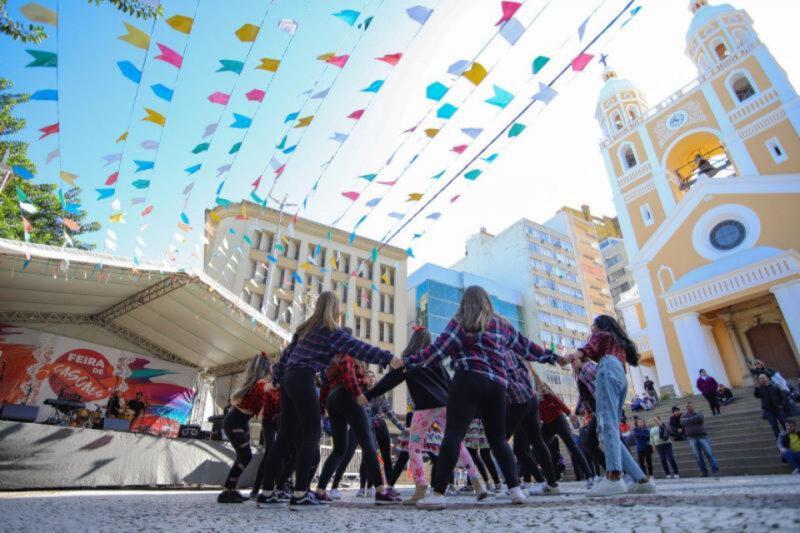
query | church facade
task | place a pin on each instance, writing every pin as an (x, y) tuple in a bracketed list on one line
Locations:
[(707, 189)]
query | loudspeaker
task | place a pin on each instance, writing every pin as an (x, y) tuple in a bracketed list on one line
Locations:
[(19, 412), (189, 432), (116, 424)]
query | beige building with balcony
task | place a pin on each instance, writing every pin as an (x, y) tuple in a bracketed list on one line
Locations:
[(707, 189), (279, 265)]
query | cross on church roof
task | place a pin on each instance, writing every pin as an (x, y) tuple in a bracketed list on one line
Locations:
[(604, 60)]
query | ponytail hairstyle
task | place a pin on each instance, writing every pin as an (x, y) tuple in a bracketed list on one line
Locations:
[(325, 315), (610, 325), (475, 310), (419, 340), (258, 369)]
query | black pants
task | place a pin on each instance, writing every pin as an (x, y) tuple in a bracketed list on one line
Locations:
[(646, 461), (384, 442), (667, 459), (525, 458), (268, 432), (237, 427), (652, 394), (525, 416), (590, 445), (713, 402), (472, 394), (343, 411), (299, 421), (560, 427), (397, 468), (352, 444)]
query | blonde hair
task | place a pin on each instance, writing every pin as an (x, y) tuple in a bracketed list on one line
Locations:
[(325, 315), (475, 310), (258, 369)]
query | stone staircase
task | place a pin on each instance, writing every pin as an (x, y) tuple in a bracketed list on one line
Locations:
[(742, 442)]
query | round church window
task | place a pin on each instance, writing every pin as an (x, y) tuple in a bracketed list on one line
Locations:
[(727, 235)]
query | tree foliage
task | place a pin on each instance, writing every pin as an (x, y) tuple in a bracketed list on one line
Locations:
[(34, 33), (48, 222)]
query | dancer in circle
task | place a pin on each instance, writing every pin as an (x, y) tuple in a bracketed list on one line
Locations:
[(246, 402), (610, 347), (345, 405), (427, 386), (315, 343), (480, 344)]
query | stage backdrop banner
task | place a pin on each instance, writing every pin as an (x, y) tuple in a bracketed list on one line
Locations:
[(36, 366)]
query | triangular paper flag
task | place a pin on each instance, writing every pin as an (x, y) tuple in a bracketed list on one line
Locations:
[(434, 216), (339, 137), (545, 94), (141, 184), (130, 71), (112, 179), (435, 91), (322, 94), (144, 165), (38, 13), (268, 64), (303, 122), (348, 16), (374, 87), (419, 13), (154, 116), (69, 177), (501, 97), (508, 9), (414, 197), (391, 59), (459, 149), (357, 114), (256, 95), (194, 168), (241, 121), (472, 175), (373, 202), (170, 56), (52, 155), (351, 195), (471, 132), (181, 23), (247, 33), (516, 129), (219, 98), (475, 74), (580, 62), (368, 177), (459, 67), (338, 61), (42, 58), (202, 147), (431, 132), (22, 172), (45, 95), (446, 111), (135, 37), (582, 28), (288, 25), (230, 65), (210, 129), (539, 63), (49, 130), (511, 31), (235, 148), (162, 91), (105, 193)]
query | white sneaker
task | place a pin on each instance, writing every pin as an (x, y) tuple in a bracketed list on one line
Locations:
[(606, 487), (362, 493), (551, 490), (675, 476), (648, 487), (517, 496), (589, 483), (598, 479), (432, 501), (370, 493), (335, 494)]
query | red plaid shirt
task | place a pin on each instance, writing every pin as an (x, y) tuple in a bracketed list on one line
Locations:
[(272, 406), (601, 344), (551, 407), (253, 400), (345, 372)]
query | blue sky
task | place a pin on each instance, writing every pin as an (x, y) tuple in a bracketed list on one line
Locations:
[(554, 162)]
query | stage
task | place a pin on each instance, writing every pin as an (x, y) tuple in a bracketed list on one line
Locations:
[(38, 456)]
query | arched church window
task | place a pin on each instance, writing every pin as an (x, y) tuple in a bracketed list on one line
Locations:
[(742, 87), (633, 113), (721, 50), (628, 157), (617, 120)]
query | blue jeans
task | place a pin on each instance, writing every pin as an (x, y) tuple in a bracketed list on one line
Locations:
[(611, 388), (793, 458), (702, 446)]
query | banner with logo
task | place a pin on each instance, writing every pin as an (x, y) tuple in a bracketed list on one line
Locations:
[(36, 366)]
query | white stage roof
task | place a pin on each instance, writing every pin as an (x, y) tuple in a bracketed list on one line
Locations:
[(183, 317)]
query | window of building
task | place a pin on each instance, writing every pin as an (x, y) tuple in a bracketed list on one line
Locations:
[(776, 150), (633, 113), (616, 118), (721, 50), (613, 260), (647, 214), (742, 87), (628, 157)]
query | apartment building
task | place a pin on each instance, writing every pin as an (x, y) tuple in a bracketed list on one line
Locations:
[(615, 259)]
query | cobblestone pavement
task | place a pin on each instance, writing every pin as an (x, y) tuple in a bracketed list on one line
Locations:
[(756, 503)]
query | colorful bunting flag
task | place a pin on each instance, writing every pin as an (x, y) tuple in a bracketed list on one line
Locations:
[(162, 91), (210, 129), (373, 202), (45, 94), (434, 216), (71, 224), (435, 91), (397, 215), (68, 177), (202, 147), (338, 61), (147, 210), (351, 195), (473, 174), (339, 137), (256, 95), (130, 71), (270, 65), (511, 31), (149, 144), (476, 73), (38, 13), (303, 122), (112, 178), (169, 56), (516, 129), (116, 218), (22, 172), (143, 165), (357, 114), (247, 33), (414, 197), (431, 132), (471, 132), (501, 97), (582, 28), (538, 64), (349, 16), (459, 67), (446, 111), (52, 155), (194, 168), (365, 25), (141, 184), (322, 94), (155, 117), (391, 59), (235, 148), (42, 59), (122, 137), (490, 159), (288, 25), (545, 94), (105, 193), (374, 87), (437, 176), (508, 9), (219, 98), (419, 14), (49, 130), (181, 23), (230, 65), (580, 62), (135, 37), (459, 149), (241, 121), (368, 177)]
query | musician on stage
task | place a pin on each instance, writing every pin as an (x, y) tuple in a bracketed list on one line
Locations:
[(138, 406), (113, 407)]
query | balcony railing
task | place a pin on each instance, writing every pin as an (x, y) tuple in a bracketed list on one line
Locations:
[(735, 57), (714, 164)]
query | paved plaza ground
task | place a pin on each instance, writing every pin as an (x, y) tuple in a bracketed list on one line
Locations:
[(755, 503)]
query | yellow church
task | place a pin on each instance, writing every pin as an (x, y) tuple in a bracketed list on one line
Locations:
[(707, 189)]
